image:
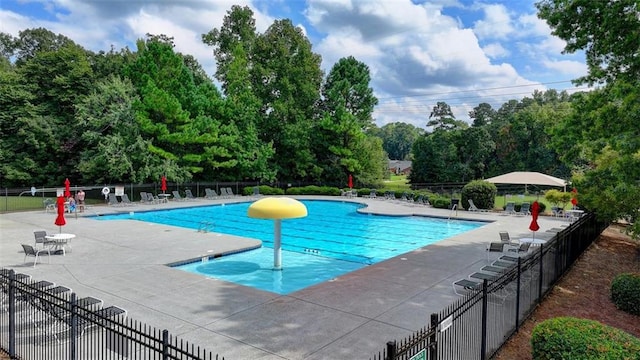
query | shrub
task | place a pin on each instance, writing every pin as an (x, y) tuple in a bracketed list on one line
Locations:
[(440, 202), (625, 293), (314, 190), (572, 338), (483, 194), (264, 190)]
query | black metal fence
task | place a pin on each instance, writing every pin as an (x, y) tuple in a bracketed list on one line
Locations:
[(39, 320), (478, 324)]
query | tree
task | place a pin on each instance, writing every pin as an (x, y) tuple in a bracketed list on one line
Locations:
[(398, 138), (482, 115), (30, 42), (605, 148), (286, 76), (441, 118), (608, 31), (113, 147), (238, 30), (347, 106)]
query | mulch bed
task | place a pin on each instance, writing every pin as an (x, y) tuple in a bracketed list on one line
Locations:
[(584, 292)]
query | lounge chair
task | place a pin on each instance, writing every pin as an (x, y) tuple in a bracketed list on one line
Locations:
[(49, 205), (125, 200), (143, 197), (495, 247), (524, 209), (223, 193), (176, 196), (31, 251), (210, 194), (189, 195), (467, 285), (494, 269), (373, 194), (509, 209), (113, 200), (474, 208), (230, 192), (484, 276), (524, 247)]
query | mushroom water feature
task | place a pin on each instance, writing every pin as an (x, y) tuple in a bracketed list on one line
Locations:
[(277, 209)]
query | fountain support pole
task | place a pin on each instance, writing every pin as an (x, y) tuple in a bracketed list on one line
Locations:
[(277, 245)]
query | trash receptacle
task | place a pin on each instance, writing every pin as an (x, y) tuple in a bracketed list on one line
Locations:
[(454, 202)]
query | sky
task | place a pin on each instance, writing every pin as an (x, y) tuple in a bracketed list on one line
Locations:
[(419, 52)]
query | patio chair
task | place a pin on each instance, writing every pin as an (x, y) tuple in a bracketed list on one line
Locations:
[(223, 193), (31, 251), (373, 194), (474, 208), (495, 247), (509, 209), (41, 238), (230, 192), (506, 239), (467, 286), (210, 194), (524, 209), (49, 205), (189, 195), (176, 196), (483, 276), (113, 200), (125, 200), (523, 248)]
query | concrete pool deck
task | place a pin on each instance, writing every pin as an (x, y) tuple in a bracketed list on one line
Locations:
[(354, 316)]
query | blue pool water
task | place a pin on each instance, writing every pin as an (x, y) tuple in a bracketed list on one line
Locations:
[(332, 240)]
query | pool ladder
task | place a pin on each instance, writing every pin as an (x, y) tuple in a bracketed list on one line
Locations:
[(205, 226), (454, 208)]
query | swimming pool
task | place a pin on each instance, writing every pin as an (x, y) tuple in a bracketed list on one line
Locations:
[(332, 240)]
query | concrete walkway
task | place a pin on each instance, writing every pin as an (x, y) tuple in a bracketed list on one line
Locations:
[(124, 263)]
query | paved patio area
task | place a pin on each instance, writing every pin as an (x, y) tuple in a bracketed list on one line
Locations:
[(124, 263)]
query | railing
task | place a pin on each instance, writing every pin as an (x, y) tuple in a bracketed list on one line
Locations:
[(478, 324), (38, 322)]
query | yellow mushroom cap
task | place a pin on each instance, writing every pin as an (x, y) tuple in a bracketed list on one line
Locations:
[(277, 208)]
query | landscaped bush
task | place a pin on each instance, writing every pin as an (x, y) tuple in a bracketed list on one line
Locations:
[(483, 194), (625, 293), (314, 190), (264, 190), (572, 338), (440, 202)]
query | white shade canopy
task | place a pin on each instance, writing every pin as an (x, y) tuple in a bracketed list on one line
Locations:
[(527, 178)]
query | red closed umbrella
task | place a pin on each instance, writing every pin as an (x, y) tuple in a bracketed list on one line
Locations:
[(535, 209), (60, 221), (163, 184), (67, 188), (350, 181)]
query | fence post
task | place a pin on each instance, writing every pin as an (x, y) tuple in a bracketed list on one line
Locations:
[(518, 293), (433, 341), (541, 268), (74, 327), (391, 350), (165, 344), (12, 314), (483, 339)]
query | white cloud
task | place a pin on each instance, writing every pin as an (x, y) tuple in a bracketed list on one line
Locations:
[(496, 23), (571, 68), (495, 50)]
